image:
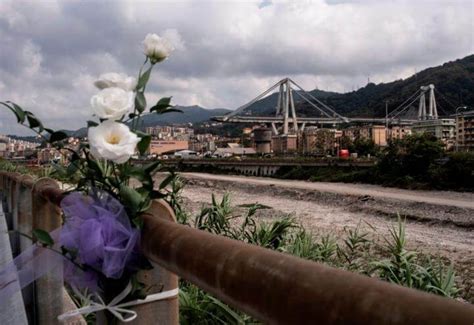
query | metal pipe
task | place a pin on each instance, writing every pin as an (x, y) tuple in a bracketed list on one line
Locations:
[(277, 288)]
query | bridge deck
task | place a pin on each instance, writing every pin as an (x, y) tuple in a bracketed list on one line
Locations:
[(308, 120)]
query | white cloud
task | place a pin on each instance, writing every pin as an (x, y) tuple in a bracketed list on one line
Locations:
[(226, 51)]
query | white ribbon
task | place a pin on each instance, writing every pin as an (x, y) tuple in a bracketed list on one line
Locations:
[(114, 306)]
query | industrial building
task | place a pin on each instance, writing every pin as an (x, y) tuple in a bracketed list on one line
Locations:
[(160, 147), (263, 140), (285, 143)]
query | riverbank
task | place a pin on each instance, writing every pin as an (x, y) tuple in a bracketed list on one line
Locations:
[(438, 223)]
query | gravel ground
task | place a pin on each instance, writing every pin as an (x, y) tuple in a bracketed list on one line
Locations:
[(434, 228)]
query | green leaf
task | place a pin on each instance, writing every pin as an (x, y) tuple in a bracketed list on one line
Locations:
[(57, 136), (33, 121), (153, 167), (138, 222), (71, 252), (17, 110), (43, 237), (144, 144), (163, 105), (141, 175), (165, 101), (140, 133), (140, 102), (157, 195), (72, 168), (170, 110), (92, 124), (143, 80), (167, 180), (131, 198)]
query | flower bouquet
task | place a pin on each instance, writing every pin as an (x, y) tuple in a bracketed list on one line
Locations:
[(99, 243)]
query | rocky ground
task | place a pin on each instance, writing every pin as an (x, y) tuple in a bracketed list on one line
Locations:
[(438, 223)]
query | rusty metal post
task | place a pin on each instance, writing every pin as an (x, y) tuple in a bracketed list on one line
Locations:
[(51, 297), (23, 221), (10, 197), (160, 279), (278, 288)]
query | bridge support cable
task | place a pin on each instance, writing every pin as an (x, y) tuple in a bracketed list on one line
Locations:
[(440, 94), (243, 107), (416, 94), (314, 105), (280, 101), (332, 111), (406, 107)]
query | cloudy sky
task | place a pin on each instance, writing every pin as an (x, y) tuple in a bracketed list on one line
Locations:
[(226, 53)]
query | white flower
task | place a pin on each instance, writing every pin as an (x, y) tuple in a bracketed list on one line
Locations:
[(118, 80), (157, 48), (112, 103), (112, 141)]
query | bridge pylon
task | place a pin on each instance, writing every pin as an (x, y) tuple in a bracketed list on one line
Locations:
[(432, 113)]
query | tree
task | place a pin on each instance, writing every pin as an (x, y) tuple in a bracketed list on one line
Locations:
[(365, 147), (411, 156)]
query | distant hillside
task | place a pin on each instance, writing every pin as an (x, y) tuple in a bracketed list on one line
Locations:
[(454, 82), (191, 114)]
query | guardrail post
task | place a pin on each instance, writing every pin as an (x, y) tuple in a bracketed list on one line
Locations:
[(51, 297), (10, 199), (19, 219), (160, 279), (24, 218)]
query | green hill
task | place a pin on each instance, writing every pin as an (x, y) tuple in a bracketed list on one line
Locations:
[(454, 85)]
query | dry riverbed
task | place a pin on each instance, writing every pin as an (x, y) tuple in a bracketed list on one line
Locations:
[(438, 223)]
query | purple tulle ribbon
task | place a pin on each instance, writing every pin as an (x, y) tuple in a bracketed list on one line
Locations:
[(97, 229)]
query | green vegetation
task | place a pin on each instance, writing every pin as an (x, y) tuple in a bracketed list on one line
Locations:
[(8, 166), (453, 82), (416, 162), (354, 251)]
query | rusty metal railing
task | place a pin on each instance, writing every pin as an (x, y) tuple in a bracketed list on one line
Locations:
[(272, 287)]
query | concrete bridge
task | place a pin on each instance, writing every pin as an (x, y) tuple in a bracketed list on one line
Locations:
[(286, 121)]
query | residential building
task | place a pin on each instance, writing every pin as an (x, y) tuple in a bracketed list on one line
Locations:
[(465, 131), (376, 133), (319, 141), (398, 132), (442, 129)]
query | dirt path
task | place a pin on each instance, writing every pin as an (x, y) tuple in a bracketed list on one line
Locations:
[(448, 241), (432, 231), (460, 200)]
